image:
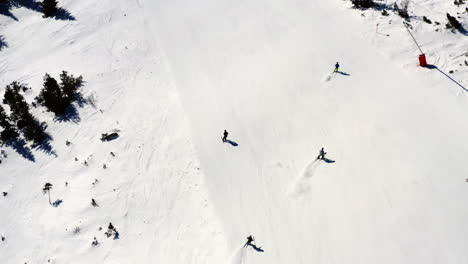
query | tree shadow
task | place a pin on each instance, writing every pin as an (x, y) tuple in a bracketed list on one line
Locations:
[(3, 43), (343, 73), (45, 146), (5, 8), (81, 101), (463, 31), (233, 143), (57, 203), (71, 115), (430, 66), (19, 145), (328, 160), (63, 14)]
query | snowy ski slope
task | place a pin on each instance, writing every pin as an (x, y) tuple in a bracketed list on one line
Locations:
[(171, 75)]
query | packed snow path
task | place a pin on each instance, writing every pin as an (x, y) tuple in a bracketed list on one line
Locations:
[(257, 69)]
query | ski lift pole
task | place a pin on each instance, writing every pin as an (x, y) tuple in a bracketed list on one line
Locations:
[(422, 56)]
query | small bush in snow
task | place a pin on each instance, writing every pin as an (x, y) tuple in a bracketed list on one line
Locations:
[(76, 230), (427, 20), (111, 230), (459, 2)]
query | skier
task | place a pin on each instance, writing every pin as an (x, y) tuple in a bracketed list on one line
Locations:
[(321, 155), (337, 66), (250, 239), (225, 136)]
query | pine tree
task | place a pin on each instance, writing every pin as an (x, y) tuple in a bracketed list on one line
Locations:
[(18, 105), (70, 85), (453, 22), (403, 10), (9, 130), (46, 189), (363, 3), (49, 7), (34, 130), (51, 96), (57, 98), (31, 128)]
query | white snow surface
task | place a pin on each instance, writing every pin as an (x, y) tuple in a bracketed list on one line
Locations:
[(171, 75)]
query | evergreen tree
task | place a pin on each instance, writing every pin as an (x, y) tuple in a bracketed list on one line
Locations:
[(363, 3), (70, 85), (453, 22), (31, 128), (34, 130), (9, 130), (18, 105), (51, 96), (57, 98), (403, 10), (49, 7), (46, 189)]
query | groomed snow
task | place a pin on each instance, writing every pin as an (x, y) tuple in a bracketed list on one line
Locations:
[(171, 75)]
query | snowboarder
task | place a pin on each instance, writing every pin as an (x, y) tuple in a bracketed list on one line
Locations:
[(337, 67), (250, 239), (321, 155), (225, 136)]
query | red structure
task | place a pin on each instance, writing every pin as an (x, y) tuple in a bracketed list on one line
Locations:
[(422, 60)]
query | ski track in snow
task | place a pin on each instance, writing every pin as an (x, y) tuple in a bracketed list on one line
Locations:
[(302, 184), (239, 255)]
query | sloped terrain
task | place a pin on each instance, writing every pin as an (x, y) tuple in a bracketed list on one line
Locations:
[(170, 76)]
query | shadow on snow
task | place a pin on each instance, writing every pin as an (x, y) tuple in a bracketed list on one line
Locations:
[(258, 249), (430, 66), (71, 115), (343, 73), (19, 145), (3, 43), (233, 143), (45, 146), (5, 9)]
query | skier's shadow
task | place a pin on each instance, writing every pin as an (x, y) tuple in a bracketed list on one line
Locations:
[(326, 160), (258, 249), (343, 73), (233, 143)]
